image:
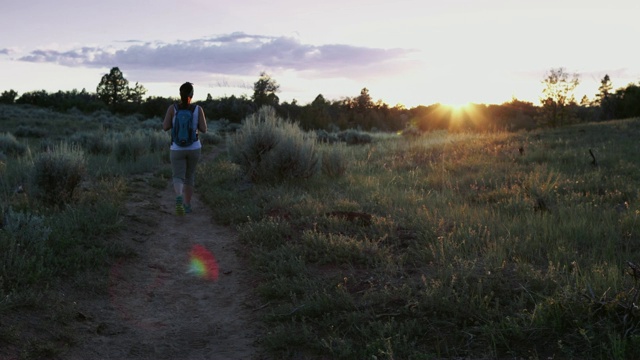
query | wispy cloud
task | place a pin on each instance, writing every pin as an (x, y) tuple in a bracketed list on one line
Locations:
[(232, 54)]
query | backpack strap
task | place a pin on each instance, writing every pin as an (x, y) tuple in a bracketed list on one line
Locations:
[(192, 107), (173, 121), (175, 112), (196, 118)]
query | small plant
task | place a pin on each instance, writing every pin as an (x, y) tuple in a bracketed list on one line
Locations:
[(354, 137), (268, 233), (210, 138), (334, 163), (411, 132), (57, 173), (223, 126), (23, 249), (9, 145), (130, 148), (30, 131), (158, 140), (93, 142), (323, 136), (152, 124), (268, 148)]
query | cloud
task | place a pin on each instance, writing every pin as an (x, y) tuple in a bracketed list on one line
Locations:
[(5, 51), (231, 54)]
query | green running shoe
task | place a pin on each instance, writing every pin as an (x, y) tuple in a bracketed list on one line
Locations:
[(179, 206)]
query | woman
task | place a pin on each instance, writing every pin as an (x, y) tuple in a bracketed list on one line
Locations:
[(185, 158)]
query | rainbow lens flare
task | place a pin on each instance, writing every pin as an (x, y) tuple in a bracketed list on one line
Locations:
[(203, 264)]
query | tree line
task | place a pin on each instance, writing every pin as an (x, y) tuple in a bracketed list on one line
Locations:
[(557, 107)]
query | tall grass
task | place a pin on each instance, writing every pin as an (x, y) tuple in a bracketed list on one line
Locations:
[(61, 199), (450, 245)]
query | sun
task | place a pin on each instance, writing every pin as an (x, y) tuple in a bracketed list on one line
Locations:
[(457, 107), (456, 101)]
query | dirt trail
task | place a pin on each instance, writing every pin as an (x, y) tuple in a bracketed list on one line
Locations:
[(156, 308)]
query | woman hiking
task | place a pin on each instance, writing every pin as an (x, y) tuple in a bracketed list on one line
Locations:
[(185, 122)]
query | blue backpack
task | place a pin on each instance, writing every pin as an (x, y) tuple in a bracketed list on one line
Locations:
[(183, 133)]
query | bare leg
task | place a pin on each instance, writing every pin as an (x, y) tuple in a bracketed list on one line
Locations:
[(178, 187)]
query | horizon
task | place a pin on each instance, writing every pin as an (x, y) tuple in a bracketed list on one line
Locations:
[(452, 53)]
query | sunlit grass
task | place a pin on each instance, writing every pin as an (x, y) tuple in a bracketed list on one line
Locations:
[(453, 244), (449, 244)]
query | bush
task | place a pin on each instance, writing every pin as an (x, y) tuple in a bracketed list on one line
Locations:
[(210, 138), (109, 121), (9, 145), (46, 144), (334, 163), (354, 137), (268, 148), (223, 126), (93, 142), (411, 132), (130, 148), (152, 124), (23, 249), (323, 136), (57, 173), (157, 140), (30, 132)]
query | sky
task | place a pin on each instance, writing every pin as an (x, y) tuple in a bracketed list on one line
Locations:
[(409, 52)]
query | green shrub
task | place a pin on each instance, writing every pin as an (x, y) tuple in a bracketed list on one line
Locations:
[(23, 249), (411, 132), (106, 119), (268, 233), (323, 136), (93, 142), (130, 148), (30, 132), (9, 145), (45, 144), (210, 138), (158, 140), (57, 173), (268, 148), (354, 137), (334, 163), (79, 234), (152, 124), (223, 126)]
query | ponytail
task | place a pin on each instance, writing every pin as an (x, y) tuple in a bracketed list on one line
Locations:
[(184, 101), (186, 92)]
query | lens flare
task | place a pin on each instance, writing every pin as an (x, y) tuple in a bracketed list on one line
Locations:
[(203, 263)]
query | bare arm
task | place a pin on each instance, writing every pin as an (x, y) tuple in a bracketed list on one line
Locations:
[(168, 117), (202, 122)]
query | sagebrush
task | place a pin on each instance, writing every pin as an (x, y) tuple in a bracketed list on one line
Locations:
[(269, 148), (57, 174)]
